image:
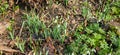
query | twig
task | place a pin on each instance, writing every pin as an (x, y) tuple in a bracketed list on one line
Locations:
[(21, 28)]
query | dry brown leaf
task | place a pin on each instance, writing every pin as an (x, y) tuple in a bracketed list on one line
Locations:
[(55, 6), (7, 49), (30, 53), (85, 23), (11, 3), (4, 42), (50, 46), (3, 27), (114, 23)]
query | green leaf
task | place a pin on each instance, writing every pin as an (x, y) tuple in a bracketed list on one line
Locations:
[(85, 11), (94, 27), (97, 36), (115, 10), (89, 31), (66, 2), (101, 31)]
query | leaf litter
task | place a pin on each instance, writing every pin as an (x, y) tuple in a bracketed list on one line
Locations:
[(3, 26), (55, 10)]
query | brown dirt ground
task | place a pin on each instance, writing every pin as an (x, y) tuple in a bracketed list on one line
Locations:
[(71, 13)]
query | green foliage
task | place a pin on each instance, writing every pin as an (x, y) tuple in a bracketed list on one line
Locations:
[(85, 12), (35, 26), (95, 37), (11, 32), (86, 40), (66, 2), (20, 44), (11, 35), (3, 6), (59, 32), (115, 7), (33, 23)]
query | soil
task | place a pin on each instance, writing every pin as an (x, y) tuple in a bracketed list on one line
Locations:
[(71, 13)]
